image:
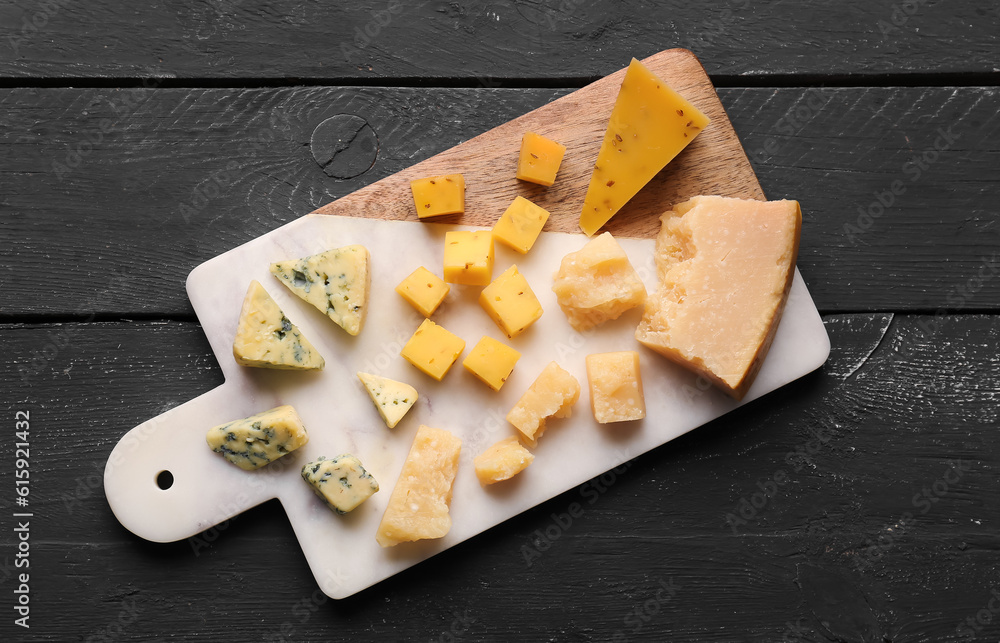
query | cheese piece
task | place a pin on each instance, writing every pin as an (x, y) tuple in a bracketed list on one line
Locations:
[(491, 361), (392, 399), (342, 483), (650, 125), (433, 349), (252, 442), (502, 461), (265, 338), (552, 394), (418, 506), (468, 257), (725, 268), (520, 224), (423, 290), (615, 387), (540, 159), (438, 195), (336, 282), (511, 303), (597, 283)]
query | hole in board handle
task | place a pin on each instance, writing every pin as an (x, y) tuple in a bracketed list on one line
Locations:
[(164, 480)]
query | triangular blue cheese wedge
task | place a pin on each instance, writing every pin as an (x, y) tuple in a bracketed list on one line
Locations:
[(341, 482), (265, 338), (336, 282), (255, 441), (392, 399)]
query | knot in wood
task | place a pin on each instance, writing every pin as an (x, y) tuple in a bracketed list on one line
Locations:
[(345, 146)]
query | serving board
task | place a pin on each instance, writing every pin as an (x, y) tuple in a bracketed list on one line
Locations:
[(341, 550)]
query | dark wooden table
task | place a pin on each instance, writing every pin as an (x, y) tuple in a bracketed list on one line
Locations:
[(861, 503)]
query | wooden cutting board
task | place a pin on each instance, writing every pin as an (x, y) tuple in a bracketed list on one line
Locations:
[(714, 163), (341, 550)]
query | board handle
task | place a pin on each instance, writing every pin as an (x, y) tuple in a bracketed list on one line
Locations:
[(164, 483)]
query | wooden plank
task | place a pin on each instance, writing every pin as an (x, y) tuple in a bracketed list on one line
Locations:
[(240, 164), (385, 41), (848, 546), (713, 163)]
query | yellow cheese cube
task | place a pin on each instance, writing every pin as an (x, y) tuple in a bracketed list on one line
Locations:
[(520, 225), (418, 506), (468, 257), (597, 283), (423, 290), (433, 349), (552, 394), (491, 361), (649, 125), (540, 159), (439, 195), (725, 267), (502, 461), (615, 387), (511, 303)]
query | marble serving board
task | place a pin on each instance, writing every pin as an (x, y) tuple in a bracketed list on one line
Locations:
[(341, 549)]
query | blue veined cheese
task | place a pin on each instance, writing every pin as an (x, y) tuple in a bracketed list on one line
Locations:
[(341, 482), (265, 338), (392, 399), (252, 442), (336, 282)]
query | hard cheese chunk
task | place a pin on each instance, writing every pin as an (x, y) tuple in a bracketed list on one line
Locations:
[(423, 290), (510, 302), (725, 268), (341, 482), (491, 361), (468, 257), (552, 394), (252, 442), (597, 283), (540, 159), (650, 124), (433, 349), (520, 225), (438, 195), (502, 461), (265, 338), (418, 506), (615, 387), (336, 282), (392, 399)]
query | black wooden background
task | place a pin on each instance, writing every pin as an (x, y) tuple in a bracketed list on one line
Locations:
[(883, 507)]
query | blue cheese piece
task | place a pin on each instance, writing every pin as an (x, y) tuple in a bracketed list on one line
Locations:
[(341, 482), (336, 282), (265, 338), (252, 442), (392, 399)]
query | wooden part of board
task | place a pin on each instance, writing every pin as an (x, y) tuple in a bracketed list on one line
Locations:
[(714, 163)]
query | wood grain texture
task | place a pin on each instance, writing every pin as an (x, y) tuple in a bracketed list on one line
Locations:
[(825, 558), (240, 162), (713, 163), (434, 42)]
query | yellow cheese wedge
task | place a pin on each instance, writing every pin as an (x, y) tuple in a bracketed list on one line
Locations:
[(502, 461), (650, 124), (418, 506), (265, 338), (725, 268)]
